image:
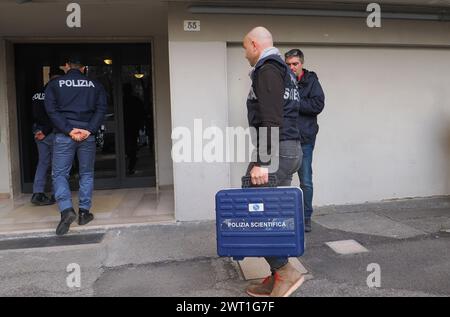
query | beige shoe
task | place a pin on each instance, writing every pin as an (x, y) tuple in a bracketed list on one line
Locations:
[(261, 289), (287, 280)]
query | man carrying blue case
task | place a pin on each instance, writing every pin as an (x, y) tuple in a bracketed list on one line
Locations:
[(273, 103)]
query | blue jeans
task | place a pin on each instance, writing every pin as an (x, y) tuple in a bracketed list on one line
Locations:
[(64, 149), (290, 159), (45, 148), (305, 174)]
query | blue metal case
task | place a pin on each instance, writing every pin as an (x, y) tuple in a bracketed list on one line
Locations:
[(260, 222)]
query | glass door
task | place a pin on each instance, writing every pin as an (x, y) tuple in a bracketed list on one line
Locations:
[(125, 142), (106, 160), (137, 121)]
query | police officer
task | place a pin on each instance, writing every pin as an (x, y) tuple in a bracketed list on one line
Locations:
[(311, 105), (77, 107), (273, 102), (43, 136)]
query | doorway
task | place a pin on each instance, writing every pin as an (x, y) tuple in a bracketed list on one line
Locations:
[(125, 142)]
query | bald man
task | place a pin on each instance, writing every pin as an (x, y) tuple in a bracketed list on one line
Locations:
[(273, 102)]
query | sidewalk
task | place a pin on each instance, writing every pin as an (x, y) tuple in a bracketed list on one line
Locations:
[(405, 238)]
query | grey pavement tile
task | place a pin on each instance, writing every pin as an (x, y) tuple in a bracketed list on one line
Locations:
[(346, 247), (161, 243), (180, 278), (420, 264), (326, 288), (367, 223)]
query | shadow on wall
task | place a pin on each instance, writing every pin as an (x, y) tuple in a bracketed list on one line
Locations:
[(447, 152), (442, 125)]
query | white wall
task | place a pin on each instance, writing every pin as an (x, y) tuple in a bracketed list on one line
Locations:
[(299, 29), (196, 183), (163, 115), (385, 130)]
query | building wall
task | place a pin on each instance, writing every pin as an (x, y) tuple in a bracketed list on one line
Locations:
[(9, 144), (13, 137), (163, 116), (382, 129), (387, 139), (201, 68), (196, 183), (4, 157)]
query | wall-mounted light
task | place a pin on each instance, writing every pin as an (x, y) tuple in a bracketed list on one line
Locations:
[(108, 61)]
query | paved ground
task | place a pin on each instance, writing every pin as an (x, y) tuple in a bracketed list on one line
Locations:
[(407, 239)]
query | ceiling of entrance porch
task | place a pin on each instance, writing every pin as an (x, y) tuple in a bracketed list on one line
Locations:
[(118, 18)]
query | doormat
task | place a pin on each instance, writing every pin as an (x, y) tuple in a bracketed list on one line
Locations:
[(55, 241)]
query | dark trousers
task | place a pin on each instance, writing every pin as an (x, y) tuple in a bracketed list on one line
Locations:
[(305, 174), (45, 148)]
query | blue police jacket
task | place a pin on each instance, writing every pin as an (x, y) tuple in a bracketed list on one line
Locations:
[(41, 121), (75, 101)]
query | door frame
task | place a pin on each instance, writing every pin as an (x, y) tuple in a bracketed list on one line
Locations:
[(100, 184)]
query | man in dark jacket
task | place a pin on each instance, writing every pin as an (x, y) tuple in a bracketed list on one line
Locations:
[(312, 101), (134, 120), (43, 136), (273, 103), (77, 107)]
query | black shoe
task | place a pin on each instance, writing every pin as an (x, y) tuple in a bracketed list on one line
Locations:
[(40, 199), (308, 226), (53, 199), (84, 217), (67, 217)]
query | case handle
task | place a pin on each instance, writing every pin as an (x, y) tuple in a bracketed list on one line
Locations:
[(247, 181)]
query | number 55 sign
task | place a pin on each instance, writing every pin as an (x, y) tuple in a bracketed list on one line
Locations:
[(192, 25)]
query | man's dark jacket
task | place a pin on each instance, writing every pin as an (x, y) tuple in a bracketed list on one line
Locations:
[(41, 121), (312, 102), (75, 101)]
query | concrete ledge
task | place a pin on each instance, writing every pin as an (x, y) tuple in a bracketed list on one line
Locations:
[(387, 206), (5, 195), (81, 229)]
